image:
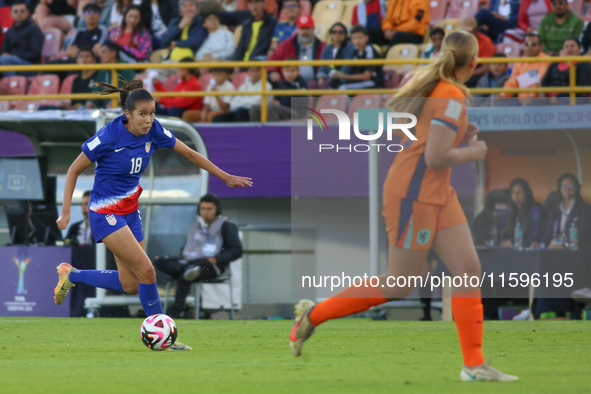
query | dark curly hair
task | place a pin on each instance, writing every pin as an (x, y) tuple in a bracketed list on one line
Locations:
[(130, 94)]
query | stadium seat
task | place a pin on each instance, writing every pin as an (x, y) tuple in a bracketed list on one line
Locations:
[(5, 18), (321, 31), (66, 88), (340, 102), (306, 10), (4, 106), (327, 12), (237, 34), (347, 17), (462, 8), (421, 48), (171, 82), (238, 79), (402, 51), (576, 6), (448, 25), (16, 85), (28, 105), (365, 101), (437, 11), (391, 79), (45, 84), (52, 43), (204, 80), (510, 49)]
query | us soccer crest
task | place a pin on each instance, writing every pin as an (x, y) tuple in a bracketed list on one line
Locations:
[(148, 146), (112, 220)]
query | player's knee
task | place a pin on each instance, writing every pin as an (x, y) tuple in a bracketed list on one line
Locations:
[(147, 274), (130, 288)]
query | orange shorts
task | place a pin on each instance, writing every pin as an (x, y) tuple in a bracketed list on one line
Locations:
[(412, 224)]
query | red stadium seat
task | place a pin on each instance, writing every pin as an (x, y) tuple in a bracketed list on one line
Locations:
[(28, 105), (510, 49), (53, 42), (340, 102), (306, 10), (4, 106), (365, 101), (238, 79), (16, 85), (171, 82), (459, 9), (391, 79), (437, 12), (66, 88), (5, 18), (204, 80), (45, 84)]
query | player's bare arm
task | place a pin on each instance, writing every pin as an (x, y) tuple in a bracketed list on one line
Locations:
[(78, 166)]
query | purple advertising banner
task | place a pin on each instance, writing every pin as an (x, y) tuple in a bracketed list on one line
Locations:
[(27, 279), (14, 144)]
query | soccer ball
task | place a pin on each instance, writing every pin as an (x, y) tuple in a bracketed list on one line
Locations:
[(158, 332)]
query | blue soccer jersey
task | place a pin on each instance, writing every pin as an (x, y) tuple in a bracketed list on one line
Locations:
[(121, 158)]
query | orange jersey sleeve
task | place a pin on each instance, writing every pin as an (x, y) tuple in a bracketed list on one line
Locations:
[(409, 176)]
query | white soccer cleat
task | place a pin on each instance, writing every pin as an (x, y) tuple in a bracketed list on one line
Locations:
[(485, 373), (524, 315), (582, 295), (177, 346), (192, 273), (303, 328)]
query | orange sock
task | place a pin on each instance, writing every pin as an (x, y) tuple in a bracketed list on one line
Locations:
[(347, 302), (468, 315)]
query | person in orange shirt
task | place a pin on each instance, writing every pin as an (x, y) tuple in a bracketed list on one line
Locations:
[(486, 48), (406, 21), (422, 209), (532, 48)]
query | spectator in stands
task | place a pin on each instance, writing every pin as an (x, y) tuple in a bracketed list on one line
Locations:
[(279, 108), (558, 74), (109, 54), (527, 212), (83, 83), (212, 244), (500, 16), (213, 105), (370, 14), (434, 46), (284, 30), (531, 13), (569, 209), (132, 36), (79, 233), (240, 105), (257, 32), (185, 34), (558, 25), (51, 14), (219, 44), (406, 21), (23, 42), (176, 106), (359, 77), (586, 41), (91, 36), (494, 78), (528, 75), (486, 48), (341, 48), (303, 46)]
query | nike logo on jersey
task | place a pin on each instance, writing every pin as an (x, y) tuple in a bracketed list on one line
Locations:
[(119, 150), (152, 303)]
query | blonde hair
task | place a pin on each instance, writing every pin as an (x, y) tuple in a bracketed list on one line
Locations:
[(457, 49)]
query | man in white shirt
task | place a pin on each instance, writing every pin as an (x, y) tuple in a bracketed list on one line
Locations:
[(240, 105), (219, 44)]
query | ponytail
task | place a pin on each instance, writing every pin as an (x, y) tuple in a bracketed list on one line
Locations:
[(131, 93), (457, 49)]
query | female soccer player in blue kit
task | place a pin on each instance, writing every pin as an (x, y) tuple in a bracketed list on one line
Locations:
[(122, 150)]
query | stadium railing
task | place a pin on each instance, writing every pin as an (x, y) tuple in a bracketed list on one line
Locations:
[(572, 89)]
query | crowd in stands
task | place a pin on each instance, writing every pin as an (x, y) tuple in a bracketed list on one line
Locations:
[(152, 31)]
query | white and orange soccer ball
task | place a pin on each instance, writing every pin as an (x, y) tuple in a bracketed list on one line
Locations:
[(159, 332)]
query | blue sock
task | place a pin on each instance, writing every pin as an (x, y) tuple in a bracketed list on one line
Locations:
[(150, 299), (102, 279)]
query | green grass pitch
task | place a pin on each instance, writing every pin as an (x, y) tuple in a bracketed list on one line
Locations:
[(46, 355)]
